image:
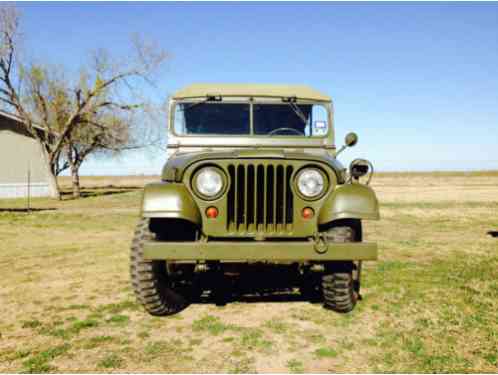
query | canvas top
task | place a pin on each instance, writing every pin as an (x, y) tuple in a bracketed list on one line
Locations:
[(202, 90)]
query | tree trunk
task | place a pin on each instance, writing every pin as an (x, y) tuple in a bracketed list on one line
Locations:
[(52, 178), (75, 177), (54, 186)]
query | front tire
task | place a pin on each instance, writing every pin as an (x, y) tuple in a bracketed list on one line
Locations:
[(339, 293), (340, 289), (151, 283)]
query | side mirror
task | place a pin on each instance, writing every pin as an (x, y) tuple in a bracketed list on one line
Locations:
[(351, 139)]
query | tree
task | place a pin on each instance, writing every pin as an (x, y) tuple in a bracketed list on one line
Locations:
[(89, 115), (112, 137)]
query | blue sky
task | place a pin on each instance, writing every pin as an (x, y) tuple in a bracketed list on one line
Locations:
[(418, 82)]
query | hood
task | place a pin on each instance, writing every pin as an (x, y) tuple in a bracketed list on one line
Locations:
[(175, 167)]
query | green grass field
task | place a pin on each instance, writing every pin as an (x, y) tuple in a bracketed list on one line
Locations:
[(430, 303)]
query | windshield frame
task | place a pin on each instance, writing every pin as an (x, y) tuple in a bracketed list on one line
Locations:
[(251, 101)]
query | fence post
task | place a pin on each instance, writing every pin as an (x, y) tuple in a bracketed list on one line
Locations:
[(29, 186)]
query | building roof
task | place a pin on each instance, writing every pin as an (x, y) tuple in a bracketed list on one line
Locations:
[(200, 90), (16, 118)]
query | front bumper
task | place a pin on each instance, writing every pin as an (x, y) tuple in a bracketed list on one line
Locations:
[(233, 251)]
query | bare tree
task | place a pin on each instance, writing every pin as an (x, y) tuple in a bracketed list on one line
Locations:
[(106, 135), (90, 115)]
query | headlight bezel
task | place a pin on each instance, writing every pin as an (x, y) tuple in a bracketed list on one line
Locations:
[(204, 169), (325, 185)]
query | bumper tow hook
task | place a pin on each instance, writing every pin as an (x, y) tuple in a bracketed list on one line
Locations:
[(321, 244)]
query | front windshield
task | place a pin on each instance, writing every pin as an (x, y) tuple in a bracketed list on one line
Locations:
[(271, 119), (212, 118)]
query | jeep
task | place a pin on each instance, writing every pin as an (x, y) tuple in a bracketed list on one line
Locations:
[(252, 186)]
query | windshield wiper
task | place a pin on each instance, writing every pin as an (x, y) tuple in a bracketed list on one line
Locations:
[(209, 98), (292, 103)]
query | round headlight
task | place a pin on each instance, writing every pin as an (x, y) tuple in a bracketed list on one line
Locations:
[(209, 182), (310, 183)]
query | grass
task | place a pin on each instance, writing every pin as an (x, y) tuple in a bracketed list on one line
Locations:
[(254, 339), (325, 353), (277, 326), (31, 323), (429, 303), (294, 366), (210, 324), (40, 362), (110, 361), (96, 341), (119, 319)]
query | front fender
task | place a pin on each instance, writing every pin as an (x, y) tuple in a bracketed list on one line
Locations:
[(350, 201), (169, 200)]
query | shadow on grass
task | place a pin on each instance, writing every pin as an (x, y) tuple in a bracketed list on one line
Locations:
[(97, 192), (256, 287), (222, 298), (273, 297), (26, 210), (493, 233), (214, 298)]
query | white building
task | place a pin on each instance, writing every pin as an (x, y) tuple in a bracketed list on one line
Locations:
[(23, 169)]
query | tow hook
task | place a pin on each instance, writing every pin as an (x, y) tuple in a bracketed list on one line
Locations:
[(321, 244)]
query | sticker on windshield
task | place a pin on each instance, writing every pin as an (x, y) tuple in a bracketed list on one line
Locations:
[(320, 126)]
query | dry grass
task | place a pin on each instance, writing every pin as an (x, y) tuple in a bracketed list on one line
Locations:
[(109, 181), (429, 303)]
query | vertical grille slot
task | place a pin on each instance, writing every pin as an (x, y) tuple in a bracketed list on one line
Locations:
[(260, 201), (259, 198), (231, 198), (279, 197), (240, 190), (270, 187), (250, 196), (289, 201)]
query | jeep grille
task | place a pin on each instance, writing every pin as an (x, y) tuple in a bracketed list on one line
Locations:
[(260, 198)]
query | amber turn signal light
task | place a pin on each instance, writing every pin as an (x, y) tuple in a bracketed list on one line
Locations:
[(308, 213), (212, 212)]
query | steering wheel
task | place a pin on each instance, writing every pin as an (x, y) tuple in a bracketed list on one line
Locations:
[(285, 129)]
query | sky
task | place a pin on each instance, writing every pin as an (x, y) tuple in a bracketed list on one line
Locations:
[(418, 82)]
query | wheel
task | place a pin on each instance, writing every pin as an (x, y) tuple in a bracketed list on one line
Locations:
[(159, 291), (339, 293), (340, 289)]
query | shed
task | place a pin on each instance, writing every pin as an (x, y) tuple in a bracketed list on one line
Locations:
[(23, 169)]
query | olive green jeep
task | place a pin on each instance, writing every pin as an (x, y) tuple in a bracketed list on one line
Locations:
[(252, 187)]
